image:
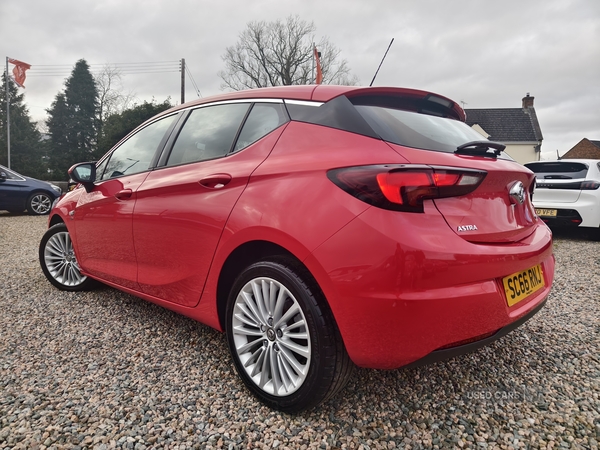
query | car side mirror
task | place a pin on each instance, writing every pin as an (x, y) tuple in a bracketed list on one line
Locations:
[(3, 176), (84, 173)]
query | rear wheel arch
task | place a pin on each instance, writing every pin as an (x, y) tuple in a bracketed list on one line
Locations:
[(240, 258)]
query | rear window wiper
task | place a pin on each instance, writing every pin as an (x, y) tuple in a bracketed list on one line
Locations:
[(481, 148)]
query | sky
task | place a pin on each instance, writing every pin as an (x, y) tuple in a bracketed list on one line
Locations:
[(486, 54)]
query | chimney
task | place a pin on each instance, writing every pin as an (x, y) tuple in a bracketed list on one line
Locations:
[(528, 101)]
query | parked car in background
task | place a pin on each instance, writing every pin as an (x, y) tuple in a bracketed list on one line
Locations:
[(19, 193), (318, 226), (567, 192)]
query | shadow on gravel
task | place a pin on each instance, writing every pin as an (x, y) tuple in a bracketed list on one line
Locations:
[(12, 214), (577, 234)]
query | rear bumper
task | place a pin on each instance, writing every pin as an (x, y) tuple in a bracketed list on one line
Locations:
[(401, 291), (564, 218), (447, 353), (584, 212)]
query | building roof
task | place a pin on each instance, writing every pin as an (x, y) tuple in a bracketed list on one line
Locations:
[(507, 124), (586, 148)]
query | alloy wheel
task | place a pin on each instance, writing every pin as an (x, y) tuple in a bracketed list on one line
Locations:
[(61, 262), (40, 204), (271, 337)]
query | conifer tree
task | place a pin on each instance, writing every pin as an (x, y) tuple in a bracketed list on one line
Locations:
[(72, 121), (26, 149)]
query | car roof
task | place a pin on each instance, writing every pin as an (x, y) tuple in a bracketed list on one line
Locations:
[(321, 93)]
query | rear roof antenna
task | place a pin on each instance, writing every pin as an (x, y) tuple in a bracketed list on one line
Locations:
[(386, 52)]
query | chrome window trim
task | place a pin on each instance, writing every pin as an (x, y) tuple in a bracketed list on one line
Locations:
[(303, 103), (19, 177), (228, 102)]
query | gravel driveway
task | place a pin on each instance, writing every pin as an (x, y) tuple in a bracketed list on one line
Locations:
[(106, 370)]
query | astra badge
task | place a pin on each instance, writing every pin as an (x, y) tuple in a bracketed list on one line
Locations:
[(467, 228)]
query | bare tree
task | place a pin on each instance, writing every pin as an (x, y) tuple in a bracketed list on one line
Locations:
[(281, 53), (111, 98)]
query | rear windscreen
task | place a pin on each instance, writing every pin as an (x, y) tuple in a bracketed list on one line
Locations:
[(558, 170), (413, 129)]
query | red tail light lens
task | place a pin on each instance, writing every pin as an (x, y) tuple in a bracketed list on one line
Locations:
[(589, 185), (405, 187)]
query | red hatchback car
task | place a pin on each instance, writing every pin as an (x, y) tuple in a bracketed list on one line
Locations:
[(318, 226)]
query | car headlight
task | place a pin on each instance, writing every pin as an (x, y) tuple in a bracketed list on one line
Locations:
[(56, 189)]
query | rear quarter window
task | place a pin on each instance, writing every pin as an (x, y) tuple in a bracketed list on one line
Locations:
[(263, 118)]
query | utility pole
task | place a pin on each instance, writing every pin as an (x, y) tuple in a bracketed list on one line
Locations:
[(182, 81), (7, 114)]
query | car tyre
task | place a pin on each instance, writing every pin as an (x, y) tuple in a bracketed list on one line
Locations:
[(59, 262), (39, 203), (284, 341)]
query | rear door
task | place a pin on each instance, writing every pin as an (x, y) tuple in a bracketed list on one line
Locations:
[(13, 192), (182, 208)]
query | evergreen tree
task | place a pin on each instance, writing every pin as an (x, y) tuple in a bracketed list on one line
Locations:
[(58, 125), (72, 121), (26, 149)]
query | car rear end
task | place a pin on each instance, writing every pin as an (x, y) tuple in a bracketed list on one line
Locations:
[(450, 252), (567, 192)]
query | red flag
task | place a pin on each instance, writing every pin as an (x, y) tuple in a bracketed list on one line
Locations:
[(19, 71), (319, 77)]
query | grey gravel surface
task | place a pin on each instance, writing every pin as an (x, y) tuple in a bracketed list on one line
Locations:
[(104, 370)]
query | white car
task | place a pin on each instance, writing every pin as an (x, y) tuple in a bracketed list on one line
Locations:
[(567, 192)]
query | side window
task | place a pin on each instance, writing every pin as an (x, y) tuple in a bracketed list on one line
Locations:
[(208, 133), (135, 154), (100, 169), (9, 176), (263, 119)]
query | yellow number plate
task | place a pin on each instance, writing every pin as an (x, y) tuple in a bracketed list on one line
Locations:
[(519, 285), (545, 212)]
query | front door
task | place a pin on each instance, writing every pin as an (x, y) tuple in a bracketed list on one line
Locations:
[(103, 217)]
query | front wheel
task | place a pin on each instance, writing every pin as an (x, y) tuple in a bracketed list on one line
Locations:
[(59, 262), (284, 341), (39, 204)]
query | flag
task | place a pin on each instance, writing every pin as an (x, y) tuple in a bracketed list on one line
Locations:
[(319, 77), (19, 71)]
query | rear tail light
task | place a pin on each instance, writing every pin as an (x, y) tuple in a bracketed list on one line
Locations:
[(589, 185), (405, 187)]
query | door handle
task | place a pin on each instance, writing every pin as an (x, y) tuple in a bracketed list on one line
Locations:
[(216, 181), (124, 194)]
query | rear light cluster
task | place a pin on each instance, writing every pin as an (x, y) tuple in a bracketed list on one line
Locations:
[(587, 185), (405, 187)]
